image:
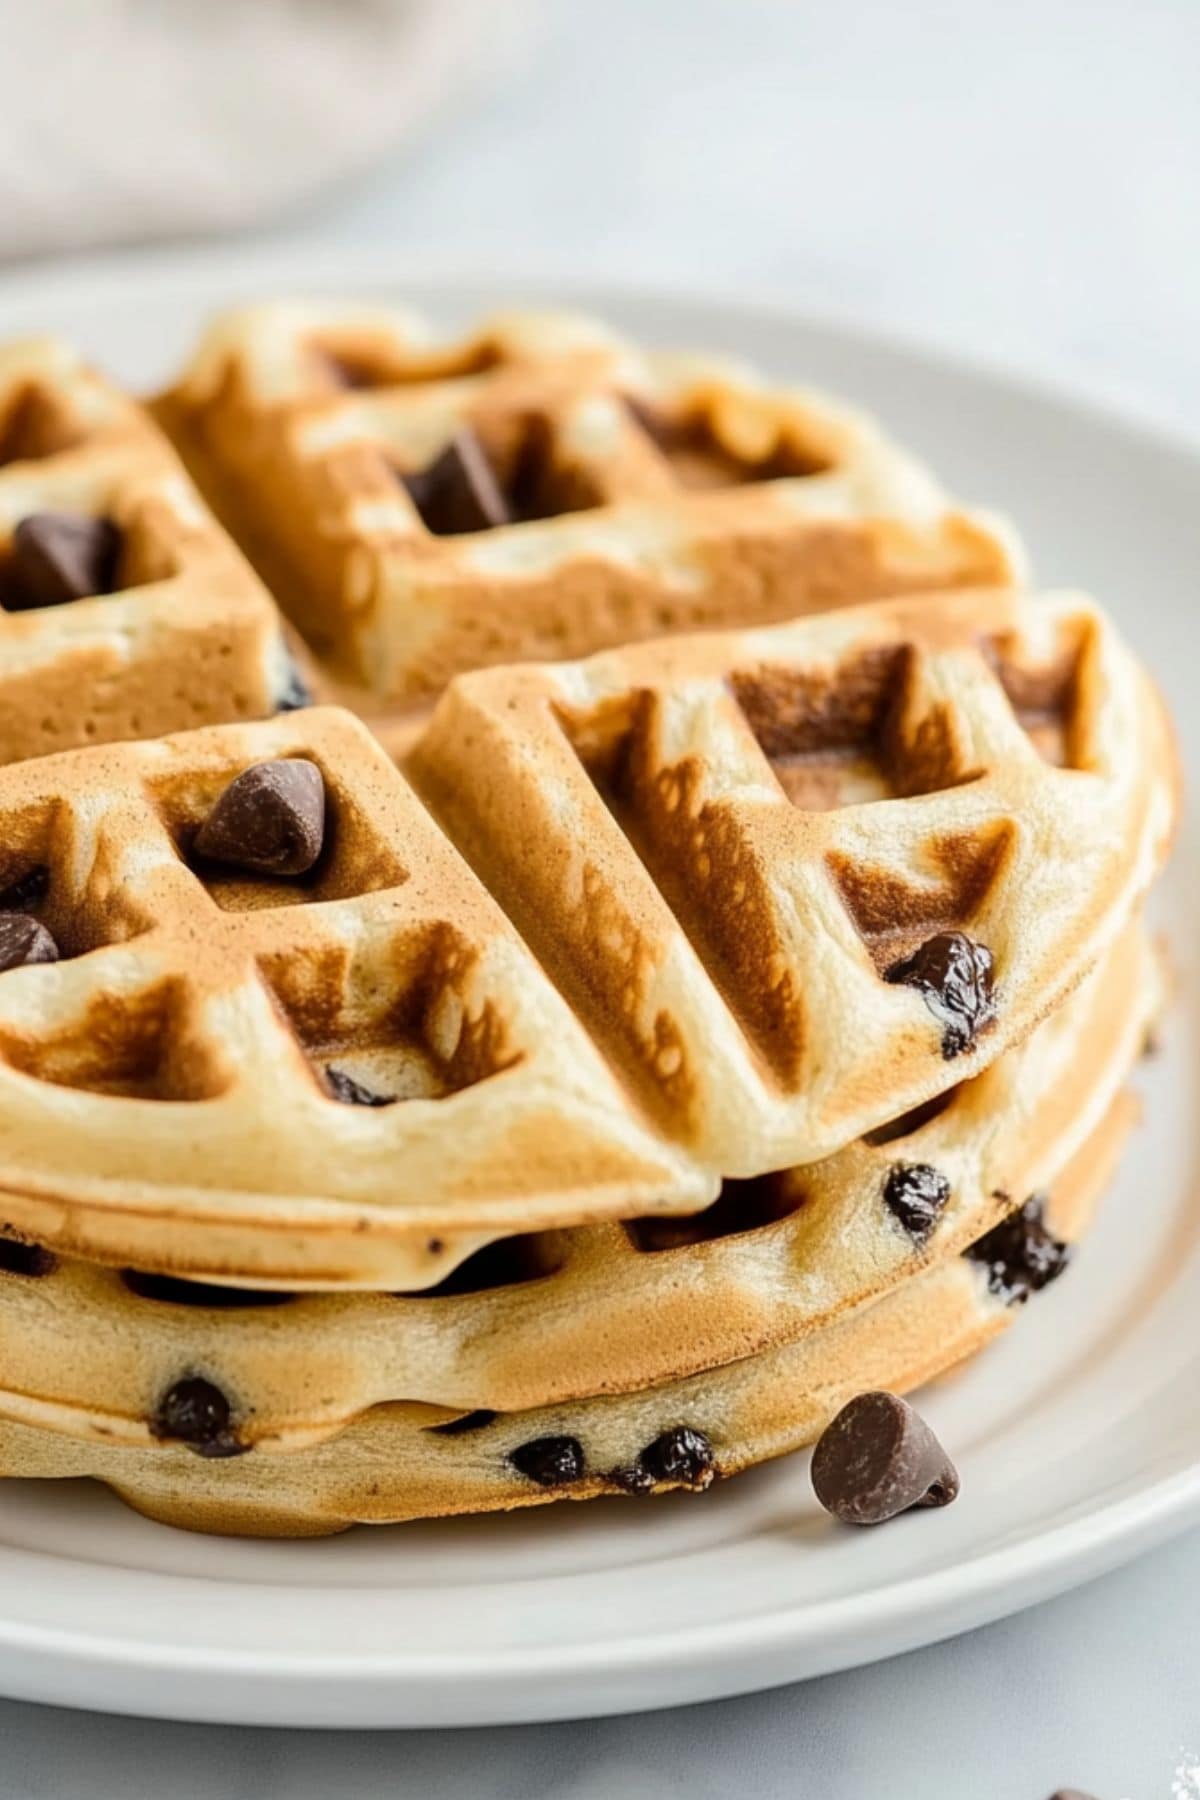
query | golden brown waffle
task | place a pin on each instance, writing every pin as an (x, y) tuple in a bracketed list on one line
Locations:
[(728, 849), (639, 493), (188, 636), (406, 1461), (165, 1090), (604, 1309)]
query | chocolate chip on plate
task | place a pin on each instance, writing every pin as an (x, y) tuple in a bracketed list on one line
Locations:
[(954, 976), (270, 820), (459, 491), (878, 1458), (681, 1454), (58, 556), (917, 1194), (1021, 1254), (343, 1087), (1071, 1794), (24, 940), (550, 1461)]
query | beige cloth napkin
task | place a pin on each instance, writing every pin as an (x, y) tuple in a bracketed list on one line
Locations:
[(127, 119)]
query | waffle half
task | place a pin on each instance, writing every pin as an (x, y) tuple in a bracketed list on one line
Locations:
[(641, 493), (726, 849)]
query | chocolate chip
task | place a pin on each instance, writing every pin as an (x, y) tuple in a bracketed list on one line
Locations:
[(196, 1413), (23, 940), (680, 1455), (954, 976), (296, 692), (633, 1479), (19, 1258), (459, 491), (58, 557), (917, 1194), (270, 820), (352, 1093), (878, 1458), (472, 1421), (1020, 1254), (28, 891), (550, 1461), (1071, 1794)]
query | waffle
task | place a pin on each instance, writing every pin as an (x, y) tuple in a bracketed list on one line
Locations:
[(188, 636), (406, 1461), (167, 1088), (741, 857), (604, 1309), (621, 495)]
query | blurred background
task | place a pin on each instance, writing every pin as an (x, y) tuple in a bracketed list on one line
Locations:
[(1016, 180)]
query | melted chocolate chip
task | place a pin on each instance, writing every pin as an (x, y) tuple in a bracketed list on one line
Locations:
[(270, 820), (57, 557), (20, 1258), (635, 1479), (23, 940), (472, 1421), (681, 1455), (196, 1413), (550, 1461), (343, 1087), (879, 1458), (917, 1194), (1020, 1254), (459, 491), (954, 976)]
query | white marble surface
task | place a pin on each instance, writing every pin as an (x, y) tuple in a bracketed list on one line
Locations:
[(1016, 181)]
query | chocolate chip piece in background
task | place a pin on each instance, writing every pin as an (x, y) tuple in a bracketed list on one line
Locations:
[(459, 491), (550, 1461), (879, 1458), (17, 1257), (954, 977), (1071, 1794), (195, 1412), (916, 1193), (343, 1087), (57, 557), (1021, 1255), (270, 820), (23, 940)]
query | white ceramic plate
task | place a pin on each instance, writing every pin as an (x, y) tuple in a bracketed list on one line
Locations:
[(1078, 1436)]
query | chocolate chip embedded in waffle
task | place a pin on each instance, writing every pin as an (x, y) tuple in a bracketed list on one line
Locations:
[(124, 609), (407, 1461), (549, 1317), (723, 847), (165, 1096), (539, 488)]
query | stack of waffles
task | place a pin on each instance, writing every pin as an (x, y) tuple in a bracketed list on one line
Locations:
[(566, 1077)]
